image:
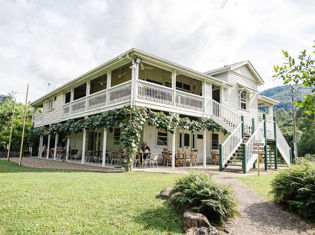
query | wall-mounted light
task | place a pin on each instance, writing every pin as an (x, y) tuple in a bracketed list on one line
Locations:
[(138, 60)]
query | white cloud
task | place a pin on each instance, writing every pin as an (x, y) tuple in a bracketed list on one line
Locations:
[(55, 41)]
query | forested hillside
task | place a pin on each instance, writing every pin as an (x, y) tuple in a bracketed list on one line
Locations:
[(283, 95), (283, 114)]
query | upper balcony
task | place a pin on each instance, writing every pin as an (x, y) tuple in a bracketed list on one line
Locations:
[(141, 85)]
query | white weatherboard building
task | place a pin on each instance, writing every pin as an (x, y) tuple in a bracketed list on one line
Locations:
[(228, 95)]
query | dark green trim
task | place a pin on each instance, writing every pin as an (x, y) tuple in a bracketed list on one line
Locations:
[(276, 147), (253, 125), (242, 119), (265, 135), (220, 158), (244, 159), (291, 157)]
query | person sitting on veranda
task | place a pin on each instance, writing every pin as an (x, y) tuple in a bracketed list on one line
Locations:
[(43, 150), (146, 150)]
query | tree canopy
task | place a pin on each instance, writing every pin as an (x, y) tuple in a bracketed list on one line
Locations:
[(299, 70)]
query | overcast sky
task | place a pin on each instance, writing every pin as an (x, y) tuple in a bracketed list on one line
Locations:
[(54, 41)]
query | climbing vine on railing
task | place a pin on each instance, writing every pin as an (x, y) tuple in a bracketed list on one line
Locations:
[(131, 120)]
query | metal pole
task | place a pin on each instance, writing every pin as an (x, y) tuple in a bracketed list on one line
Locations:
[(22, 138), (11, 130)]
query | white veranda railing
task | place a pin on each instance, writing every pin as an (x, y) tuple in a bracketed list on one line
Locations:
[(231, 144), (283, 146), (97, 100), (155, 93), (120, 93), (189, 101), (78, 106), (256, 137)]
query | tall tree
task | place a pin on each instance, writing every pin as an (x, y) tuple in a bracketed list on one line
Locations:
[(298, 71)]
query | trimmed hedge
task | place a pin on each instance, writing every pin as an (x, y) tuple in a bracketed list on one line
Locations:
[(295, 189), (200, 194)]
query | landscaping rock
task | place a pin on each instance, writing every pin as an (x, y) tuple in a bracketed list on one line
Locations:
[(166, 193), (202, 231), (192, 219)]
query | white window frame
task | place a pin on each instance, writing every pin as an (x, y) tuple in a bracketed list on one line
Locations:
[(244, 100), (50, 104), (117, 141), (157, 137)]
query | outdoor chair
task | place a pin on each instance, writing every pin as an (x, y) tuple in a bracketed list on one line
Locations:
[(215, 157), (152, 161), (180, 158), (193, 158), (166, 158), (115, 157)]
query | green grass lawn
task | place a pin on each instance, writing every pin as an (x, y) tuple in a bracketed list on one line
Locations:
[(45, 201), (260, 184)]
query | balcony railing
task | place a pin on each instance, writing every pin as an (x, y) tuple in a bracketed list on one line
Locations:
[(189, 101), (38, 119), (113, 95), (155, 93), (164, 95)]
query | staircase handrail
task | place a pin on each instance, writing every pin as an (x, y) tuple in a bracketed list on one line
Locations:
[(258, 135), (283, 146), (231, 144), (225, 113)]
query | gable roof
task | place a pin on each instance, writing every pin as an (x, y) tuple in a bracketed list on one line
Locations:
[(235, 66)]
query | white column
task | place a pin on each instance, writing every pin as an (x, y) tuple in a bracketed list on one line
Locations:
[(133, 75), (204, 148), (40, 145), (108, 85), (104, 146), (173, 149), (174, 87), (83, 146), (56, 143), (136, 82), (48, 146), (68, 148), (87, 93)]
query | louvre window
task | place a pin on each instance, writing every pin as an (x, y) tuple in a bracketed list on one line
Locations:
[(161, 138)]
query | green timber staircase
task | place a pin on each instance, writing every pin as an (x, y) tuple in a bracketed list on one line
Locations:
[(237, 149)]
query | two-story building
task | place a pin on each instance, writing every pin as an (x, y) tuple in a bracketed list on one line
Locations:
[(227, 95)]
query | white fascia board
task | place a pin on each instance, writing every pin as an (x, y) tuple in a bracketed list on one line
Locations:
[(267, 100)]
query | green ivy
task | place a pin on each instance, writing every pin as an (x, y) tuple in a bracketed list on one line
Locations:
[(131, 120)]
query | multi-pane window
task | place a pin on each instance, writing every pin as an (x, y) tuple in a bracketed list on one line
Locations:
[(116, 136), (50, 105), (215, 141), (67, 97), (98, 84), (79, 92), (186, 140), (243, 100), (161, 138)]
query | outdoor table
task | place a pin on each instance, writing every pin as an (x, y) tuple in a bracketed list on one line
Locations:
[(141, 153)]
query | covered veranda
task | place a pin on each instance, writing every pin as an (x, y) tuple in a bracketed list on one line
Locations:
[(102, 147)]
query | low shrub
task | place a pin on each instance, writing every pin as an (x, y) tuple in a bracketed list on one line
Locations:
[(295, 189), (200, 194)]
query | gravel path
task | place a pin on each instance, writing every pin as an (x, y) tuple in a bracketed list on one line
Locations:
[(258, 215), (55, 164)]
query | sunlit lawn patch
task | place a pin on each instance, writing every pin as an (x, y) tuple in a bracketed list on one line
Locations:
[(42, 201)]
